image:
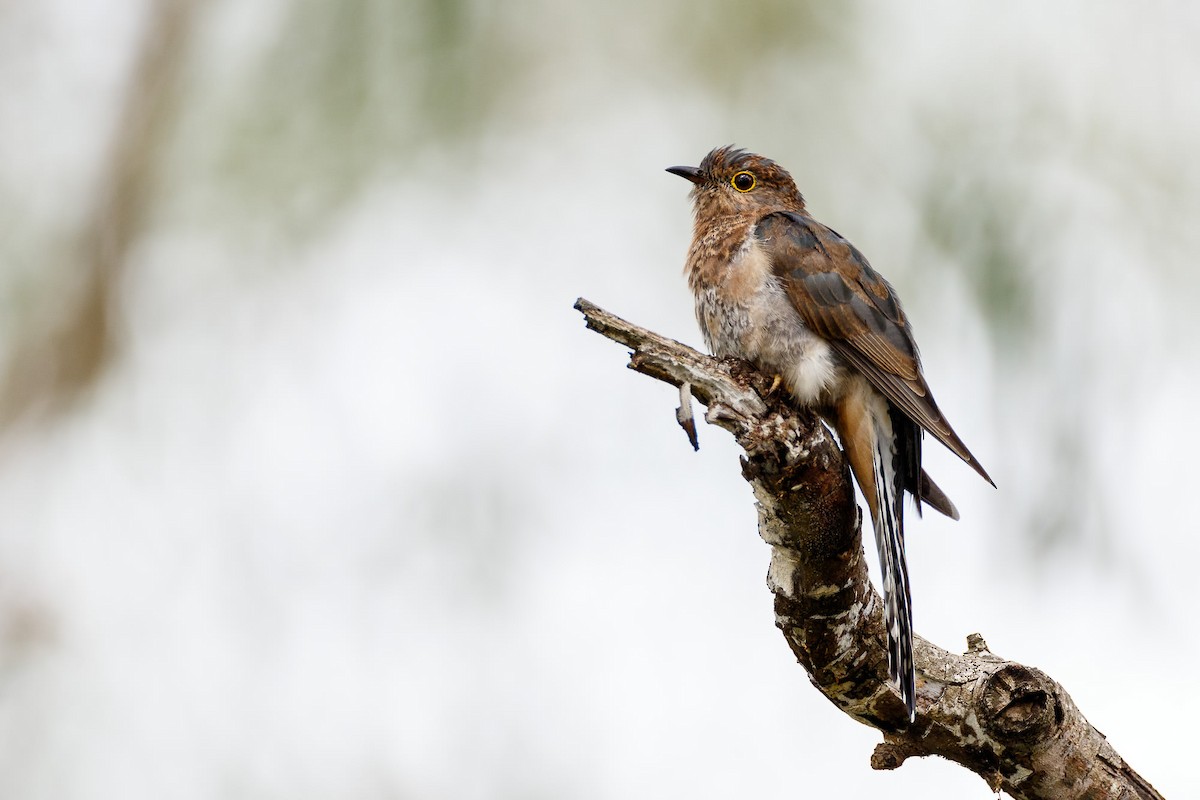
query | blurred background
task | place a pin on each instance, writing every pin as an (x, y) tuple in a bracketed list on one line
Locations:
[(314, 485)]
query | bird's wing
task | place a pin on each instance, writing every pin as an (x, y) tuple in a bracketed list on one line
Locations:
[(841, 298)]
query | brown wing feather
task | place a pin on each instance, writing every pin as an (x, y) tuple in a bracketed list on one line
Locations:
[(840, 297)]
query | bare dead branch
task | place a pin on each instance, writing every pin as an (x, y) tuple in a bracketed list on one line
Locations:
[(1010, 724)]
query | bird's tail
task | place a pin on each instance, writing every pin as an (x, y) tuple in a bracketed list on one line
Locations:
[(888, 461)]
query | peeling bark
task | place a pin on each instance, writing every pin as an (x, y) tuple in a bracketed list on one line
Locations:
[(1010, 724)]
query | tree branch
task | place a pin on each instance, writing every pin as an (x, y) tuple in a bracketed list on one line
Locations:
[(1010, 724)]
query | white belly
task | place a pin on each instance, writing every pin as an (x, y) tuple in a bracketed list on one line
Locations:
[(812, 374), (749, 316)]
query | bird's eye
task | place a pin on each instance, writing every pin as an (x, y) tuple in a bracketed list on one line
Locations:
[(743, 181)]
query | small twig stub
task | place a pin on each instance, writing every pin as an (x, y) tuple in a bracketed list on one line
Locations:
[(684, 415)]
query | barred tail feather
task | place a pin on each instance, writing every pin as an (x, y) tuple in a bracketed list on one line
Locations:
[(889, 538)]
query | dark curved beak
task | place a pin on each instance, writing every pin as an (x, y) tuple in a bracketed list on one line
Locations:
[(693, 174)]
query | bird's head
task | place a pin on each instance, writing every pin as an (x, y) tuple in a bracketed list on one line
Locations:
[(730, 181)]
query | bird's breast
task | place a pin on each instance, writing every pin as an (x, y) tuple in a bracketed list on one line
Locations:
[(744, 312)]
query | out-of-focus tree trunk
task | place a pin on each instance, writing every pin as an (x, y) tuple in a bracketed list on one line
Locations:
[(73, 337)]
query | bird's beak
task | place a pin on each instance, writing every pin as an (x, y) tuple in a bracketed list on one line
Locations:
[(693, 174)]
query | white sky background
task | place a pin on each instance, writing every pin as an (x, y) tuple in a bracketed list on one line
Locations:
[(374, 516)]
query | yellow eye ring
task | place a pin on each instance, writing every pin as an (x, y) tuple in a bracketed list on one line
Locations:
[(743, 181)]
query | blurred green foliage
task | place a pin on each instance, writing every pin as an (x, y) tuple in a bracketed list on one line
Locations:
[(970, 210), (729, 47), (348, 90)]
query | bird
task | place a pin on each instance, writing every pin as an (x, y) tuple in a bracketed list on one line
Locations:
[(792, 296)]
